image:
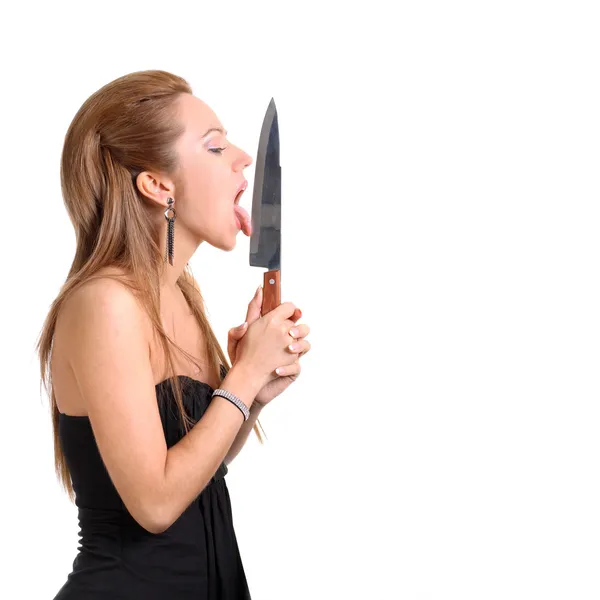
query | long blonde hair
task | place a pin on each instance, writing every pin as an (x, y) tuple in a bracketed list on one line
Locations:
[(127, 126)]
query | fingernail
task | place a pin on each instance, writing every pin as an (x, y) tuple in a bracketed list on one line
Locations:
[(294, 332), (258, 290), (243, 325), (279, 370)]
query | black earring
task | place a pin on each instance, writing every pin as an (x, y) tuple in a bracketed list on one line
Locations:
[(170, 231)]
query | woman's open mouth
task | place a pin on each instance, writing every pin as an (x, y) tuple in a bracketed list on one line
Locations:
[(241, 216)]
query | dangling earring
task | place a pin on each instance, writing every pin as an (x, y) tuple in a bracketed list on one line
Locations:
[(170, 231)]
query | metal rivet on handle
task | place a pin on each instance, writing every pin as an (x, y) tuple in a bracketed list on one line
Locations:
[(271, 281)]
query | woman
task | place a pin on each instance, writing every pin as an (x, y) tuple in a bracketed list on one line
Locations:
[(128, 356)]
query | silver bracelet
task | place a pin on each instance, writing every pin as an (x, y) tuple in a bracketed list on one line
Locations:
[(233, 398)]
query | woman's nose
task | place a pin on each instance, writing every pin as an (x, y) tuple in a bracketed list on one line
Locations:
[(243, 160), (247, 159)]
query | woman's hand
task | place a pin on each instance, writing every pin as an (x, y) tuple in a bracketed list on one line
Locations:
[(279, 381)]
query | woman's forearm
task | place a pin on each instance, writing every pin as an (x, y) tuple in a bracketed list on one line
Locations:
[(243, 433), (194, 459)]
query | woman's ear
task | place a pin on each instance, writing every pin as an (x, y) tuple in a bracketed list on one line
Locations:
[(155, 188)]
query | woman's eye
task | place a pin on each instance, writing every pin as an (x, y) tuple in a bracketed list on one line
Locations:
[(216, 150)]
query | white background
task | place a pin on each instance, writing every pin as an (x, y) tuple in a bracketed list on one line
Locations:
[(440, 233)]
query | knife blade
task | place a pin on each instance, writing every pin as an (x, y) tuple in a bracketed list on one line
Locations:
[(265, 240)]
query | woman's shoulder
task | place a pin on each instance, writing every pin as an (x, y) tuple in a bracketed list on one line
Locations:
[(93, 317), (110, 290)]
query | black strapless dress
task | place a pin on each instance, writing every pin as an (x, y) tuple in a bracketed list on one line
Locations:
[(197, 557)]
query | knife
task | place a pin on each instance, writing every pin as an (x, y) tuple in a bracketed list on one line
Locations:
[(265, 239)]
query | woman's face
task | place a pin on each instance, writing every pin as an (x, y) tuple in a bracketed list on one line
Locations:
[(209, 176)]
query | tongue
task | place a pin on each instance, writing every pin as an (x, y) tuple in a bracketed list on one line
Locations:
[(243, 219)]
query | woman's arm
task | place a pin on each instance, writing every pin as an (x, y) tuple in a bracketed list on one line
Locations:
[(243, 433), (109, 355)]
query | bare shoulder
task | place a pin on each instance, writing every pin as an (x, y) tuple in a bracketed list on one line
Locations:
[(101, 313), (105, 297)]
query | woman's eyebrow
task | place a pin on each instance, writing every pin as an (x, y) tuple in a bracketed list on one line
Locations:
[(214, 129)]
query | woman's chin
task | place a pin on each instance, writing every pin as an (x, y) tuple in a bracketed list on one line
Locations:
[(229, 243)]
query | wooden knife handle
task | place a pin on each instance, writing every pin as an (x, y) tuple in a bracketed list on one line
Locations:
[(271, 291)]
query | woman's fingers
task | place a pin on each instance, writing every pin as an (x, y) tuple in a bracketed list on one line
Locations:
[(293, 369), (300, 346), (236, 332), (254, 306), (299, 331)]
